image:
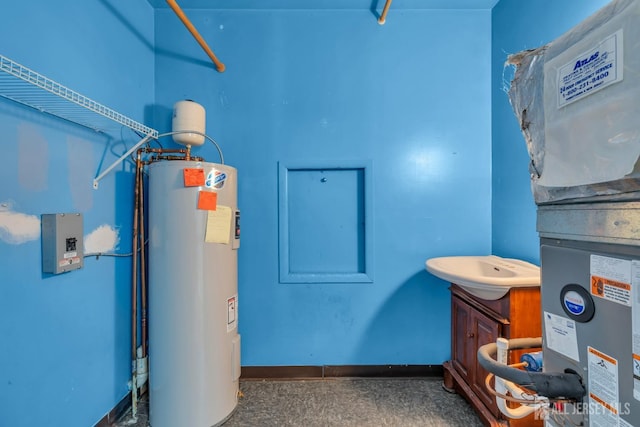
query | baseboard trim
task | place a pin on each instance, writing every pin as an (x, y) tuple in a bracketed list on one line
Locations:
[(369, 371), (114, 415)]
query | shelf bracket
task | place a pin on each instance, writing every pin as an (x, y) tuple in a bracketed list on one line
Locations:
[(117, 162)]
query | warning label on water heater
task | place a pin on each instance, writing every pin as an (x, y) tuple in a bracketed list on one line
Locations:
[(591, 71), (232, 313), (611, 279)]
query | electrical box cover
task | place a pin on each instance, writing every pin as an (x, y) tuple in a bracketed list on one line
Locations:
[(62, 242)]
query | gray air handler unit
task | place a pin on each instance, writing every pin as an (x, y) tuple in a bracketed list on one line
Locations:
[(194, 345), (577, 103)]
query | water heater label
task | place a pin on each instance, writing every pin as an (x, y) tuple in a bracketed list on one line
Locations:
[(218, 225), (193, 177), (591, 71), (216, 179), (611, 279), (232, 313)]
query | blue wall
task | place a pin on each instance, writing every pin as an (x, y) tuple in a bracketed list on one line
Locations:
[(518, 25), (329, 87), (64, 357), (415, 101)]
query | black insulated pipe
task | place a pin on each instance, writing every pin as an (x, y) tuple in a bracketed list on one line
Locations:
[(566, 385)]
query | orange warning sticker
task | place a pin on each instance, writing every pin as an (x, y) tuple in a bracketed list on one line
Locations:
[(208, 200), (193, 177), (611, 290)]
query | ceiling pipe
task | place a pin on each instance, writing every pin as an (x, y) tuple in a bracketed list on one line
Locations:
[(383, 16), (178, 11)]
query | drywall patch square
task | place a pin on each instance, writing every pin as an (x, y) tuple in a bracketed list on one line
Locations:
[(62, 246)]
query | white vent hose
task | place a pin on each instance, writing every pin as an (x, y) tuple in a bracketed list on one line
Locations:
[(503, 387)]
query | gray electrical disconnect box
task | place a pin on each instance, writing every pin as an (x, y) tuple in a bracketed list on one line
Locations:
[(62, 242)]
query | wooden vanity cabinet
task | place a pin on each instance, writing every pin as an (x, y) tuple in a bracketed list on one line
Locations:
[(475, 322)]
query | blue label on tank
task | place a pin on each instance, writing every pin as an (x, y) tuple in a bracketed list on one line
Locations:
[(220, 176), (215, 179), (574, 302)]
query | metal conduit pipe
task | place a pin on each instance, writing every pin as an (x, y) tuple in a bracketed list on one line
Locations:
[(164, 150), (138, 241), (566, 385), (143, 270), (178, 11), (158, 158)]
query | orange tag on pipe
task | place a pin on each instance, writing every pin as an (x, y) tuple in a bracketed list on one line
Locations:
[(193, 177), (207, 200)]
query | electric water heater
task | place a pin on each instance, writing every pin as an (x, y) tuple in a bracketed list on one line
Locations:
[(194, 345)]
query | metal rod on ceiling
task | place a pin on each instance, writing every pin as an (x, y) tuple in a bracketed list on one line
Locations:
[(383, 16), (194, 32)]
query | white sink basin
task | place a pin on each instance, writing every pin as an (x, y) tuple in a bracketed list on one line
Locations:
[(488, 277)]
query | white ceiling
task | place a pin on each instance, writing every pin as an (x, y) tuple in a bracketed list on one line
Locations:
[(327, 4)]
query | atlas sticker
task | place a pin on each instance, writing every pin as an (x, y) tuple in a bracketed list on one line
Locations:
[(591, 71), (216, 179)]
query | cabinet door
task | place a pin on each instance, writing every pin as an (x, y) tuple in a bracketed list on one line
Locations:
[(462, 337), (486, 330)]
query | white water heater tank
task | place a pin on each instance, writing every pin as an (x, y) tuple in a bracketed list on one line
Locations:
[(189, 121), (194, 345)]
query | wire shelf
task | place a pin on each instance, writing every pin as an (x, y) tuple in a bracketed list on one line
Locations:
[(27, 87)]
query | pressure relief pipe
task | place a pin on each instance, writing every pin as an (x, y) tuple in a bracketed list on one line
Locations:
[(565, 385)]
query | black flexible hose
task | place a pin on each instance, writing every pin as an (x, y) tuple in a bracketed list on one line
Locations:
[(566, 385)]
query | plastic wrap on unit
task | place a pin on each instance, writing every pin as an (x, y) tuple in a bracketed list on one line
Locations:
[(576, 101)]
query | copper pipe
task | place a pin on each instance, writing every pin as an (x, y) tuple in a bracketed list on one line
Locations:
[(383, 16), (519, 365), (143, 272), (157, 158), (165, 150), (134, 293), (178, 11)]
